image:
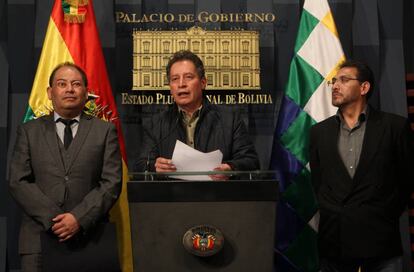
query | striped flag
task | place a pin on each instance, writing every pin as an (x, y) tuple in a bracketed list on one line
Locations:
[(72, 36), (307, 100)]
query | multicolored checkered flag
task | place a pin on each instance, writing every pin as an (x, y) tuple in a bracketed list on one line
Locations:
[(307, 100)]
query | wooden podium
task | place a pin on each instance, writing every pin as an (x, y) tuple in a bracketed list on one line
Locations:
[(162, 212)]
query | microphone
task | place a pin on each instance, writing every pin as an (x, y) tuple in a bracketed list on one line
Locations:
[(147, 162)]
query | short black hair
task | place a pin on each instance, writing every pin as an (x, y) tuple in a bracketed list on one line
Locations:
[(68, 64), (186, 55), (364, 72)]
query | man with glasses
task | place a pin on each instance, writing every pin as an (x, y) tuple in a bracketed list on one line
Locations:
[(362, 164)]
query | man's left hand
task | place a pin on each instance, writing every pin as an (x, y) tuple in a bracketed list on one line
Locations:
[(221, 167), (65, 226)]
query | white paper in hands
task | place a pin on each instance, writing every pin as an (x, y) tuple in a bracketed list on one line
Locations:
[(185, 158)]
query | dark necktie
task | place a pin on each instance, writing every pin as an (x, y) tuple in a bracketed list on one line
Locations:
[(67, 139)]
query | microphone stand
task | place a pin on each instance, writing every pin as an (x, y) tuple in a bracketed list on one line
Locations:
[(146, 175)]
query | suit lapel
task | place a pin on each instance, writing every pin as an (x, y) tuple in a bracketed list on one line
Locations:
[(52, 140), (85, 125), (372, 138)]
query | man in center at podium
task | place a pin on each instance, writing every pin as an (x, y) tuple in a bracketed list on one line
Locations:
[(196, 122)]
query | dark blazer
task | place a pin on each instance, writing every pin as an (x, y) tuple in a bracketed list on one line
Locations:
[(359, 217), (41, 184), (217, 128)]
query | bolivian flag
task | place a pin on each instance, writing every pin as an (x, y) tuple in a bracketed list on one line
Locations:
[(72, 36)]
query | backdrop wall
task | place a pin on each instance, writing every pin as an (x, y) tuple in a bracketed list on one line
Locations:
[(370, 30)]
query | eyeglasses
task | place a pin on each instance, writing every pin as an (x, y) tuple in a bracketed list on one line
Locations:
[(341, 80)]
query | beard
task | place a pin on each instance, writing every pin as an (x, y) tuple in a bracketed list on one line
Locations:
[(337, 99)]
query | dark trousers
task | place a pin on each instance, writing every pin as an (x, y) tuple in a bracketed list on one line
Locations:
[(31, 262)]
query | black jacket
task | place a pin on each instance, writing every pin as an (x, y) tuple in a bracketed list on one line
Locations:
[(217, 128), (359, 217)]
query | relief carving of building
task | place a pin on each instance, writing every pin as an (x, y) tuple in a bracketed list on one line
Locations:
[(231, 58)]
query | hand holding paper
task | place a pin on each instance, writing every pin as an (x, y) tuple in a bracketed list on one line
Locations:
[(186, 158)]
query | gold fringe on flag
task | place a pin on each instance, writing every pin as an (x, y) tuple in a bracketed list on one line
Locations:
[(75, 18)]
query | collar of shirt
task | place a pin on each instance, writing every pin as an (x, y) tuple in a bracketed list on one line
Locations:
[(362, 117), (60, 127), (186, 118), (56, 116)]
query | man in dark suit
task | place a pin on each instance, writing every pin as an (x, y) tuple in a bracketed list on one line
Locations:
[(362, 169), (65, 171), (193, 120)]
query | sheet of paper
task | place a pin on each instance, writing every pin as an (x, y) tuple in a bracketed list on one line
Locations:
[(185, 158)]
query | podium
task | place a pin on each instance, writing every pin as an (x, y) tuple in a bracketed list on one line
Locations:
[(243, 212)]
